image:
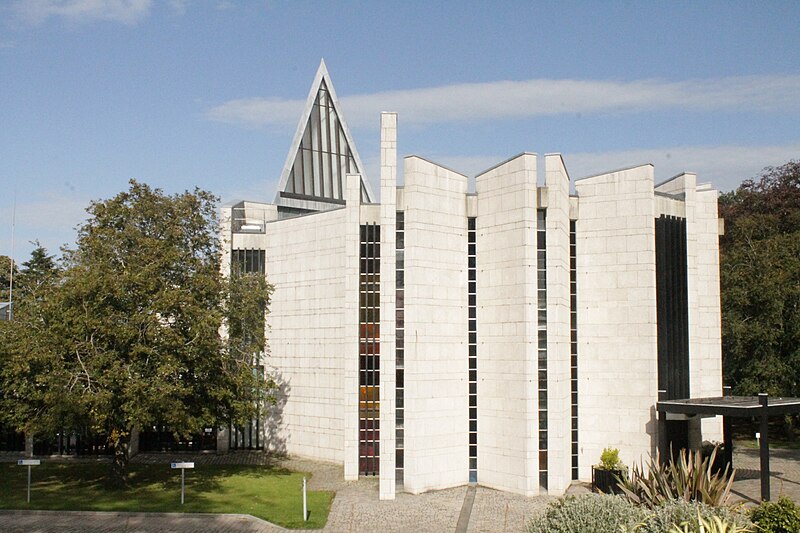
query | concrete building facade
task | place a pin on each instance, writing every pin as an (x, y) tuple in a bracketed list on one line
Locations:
[(504, 337)]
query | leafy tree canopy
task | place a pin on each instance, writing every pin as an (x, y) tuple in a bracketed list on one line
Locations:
[(760, 275), (5, 277), (128, 334), (37, 272)]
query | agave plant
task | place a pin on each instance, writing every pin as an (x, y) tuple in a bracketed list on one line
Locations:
[(689, 478)]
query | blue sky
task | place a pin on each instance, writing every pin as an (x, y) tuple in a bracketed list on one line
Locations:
[(207, 93)]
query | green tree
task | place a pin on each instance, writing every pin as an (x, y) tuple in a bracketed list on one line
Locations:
[(37, 273), (128, 334), (22, 371), (760, 275), (5, 277)]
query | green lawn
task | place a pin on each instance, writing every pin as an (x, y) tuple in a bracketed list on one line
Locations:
[(273, 494), (780, 443)]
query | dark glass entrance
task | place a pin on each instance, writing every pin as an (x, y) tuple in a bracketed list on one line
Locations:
[(673, 320)]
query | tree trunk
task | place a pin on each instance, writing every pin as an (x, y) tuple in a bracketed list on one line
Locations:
[(789, 427), (119, 466)]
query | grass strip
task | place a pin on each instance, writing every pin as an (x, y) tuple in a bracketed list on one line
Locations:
[(273, 494)]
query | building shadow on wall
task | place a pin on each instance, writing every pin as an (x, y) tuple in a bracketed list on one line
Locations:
[(651, 428), (275, 434)]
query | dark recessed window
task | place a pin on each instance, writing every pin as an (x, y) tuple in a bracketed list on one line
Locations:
[(399, 347), (369, 363), (472, 328), (573, 302)]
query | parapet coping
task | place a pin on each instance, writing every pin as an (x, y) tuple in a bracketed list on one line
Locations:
[(501, 163), (614, 171)]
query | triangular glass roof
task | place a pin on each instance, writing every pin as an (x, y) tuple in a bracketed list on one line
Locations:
[(322, 153)]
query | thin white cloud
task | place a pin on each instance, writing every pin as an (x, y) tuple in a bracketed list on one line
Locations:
[(128, 12), (179, 6), (253, 112), (531, 98), (48, 217), (725, 167)]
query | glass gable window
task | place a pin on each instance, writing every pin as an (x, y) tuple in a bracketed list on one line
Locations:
[(324, 156)]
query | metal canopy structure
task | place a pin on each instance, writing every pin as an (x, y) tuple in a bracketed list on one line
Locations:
[(727, 406), (735, 406)]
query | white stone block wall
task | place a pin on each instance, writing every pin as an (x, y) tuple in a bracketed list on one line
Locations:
[(436, 327), (558, 326), (617, 335), (313, 261), (306, 332), (506, 326), (706, 313)]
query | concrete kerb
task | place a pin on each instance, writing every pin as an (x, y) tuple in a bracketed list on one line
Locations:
[(127, 514)]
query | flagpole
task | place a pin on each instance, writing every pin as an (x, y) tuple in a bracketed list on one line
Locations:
[(11, 273)]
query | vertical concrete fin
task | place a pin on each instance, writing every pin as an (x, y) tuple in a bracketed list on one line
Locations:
[(436, 329), (558, 326), (388, 222), (617, 332), (350, 381), (506, 295)]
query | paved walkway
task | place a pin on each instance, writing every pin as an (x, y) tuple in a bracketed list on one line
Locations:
[(784, 466), (356, 507)]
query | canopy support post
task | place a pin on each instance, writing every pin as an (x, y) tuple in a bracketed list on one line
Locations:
[(727, 432), (763, 399)]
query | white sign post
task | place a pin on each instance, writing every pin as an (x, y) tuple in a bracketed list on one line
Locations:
[(183, 467), (305, 503), (29, 463)]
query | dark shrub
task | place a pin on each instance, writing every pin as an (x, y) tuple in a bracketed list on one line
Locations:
[(782, 516)]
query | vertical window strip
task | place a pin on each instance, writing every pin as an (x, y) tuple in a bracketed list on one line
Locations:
[(400, 349), (573, 337), (369, 351), (472, 354), (245, 261), (248, 260), (541, 277)]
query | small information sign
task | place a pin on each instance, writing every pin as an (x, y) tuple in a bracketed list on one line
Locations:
[(183, 467), (29, 463)]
